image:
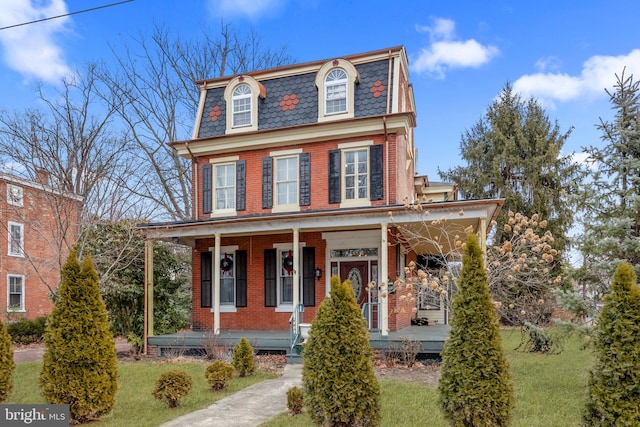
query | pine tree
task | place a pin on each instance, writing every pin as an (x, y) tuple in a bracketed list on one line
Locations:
[(339, 382), (514, 152), (79, 364), (7, 365), (614, 384), (242, 356), (475, 385), (612, 196)]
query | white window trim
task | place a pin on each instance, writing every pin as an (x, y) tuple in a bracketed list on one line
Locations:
[(354, 146), (234, 97), (22, 308), (257, 90), (221, 161), (286, 308), (288, 207), (352, 79), (15, 195), (9, 253), (224, 308)]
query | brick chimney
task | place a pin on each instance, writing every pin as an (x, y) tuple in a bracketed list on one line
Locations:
[(42, 177)]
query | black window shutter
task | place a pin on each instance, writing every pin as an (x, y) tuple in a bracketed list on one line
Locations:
[(309, 276), (206, 188), (375, 166), (334, 176), (270, 278), (267, 183), (241, 278), (305, 179), (205, 279), (241, 185)]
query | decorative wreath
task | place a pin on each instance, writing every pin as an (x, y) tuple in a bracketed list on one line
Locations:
[(226, 263), (287, 263)]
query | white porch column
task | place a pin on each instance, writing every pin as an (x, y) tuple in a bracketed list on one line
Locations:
[(296, 268), (483, 237), (216, 285), (384, 275)]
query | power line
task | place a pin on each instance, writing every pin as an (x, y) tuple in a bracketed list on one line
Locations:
[(68, 14)]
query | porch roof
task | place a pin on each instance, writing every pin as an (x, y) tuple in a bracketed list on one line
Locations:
[(186, 232)]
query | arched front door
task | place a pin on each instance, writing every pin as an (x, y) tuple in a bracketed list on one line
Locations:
[(357, 272)]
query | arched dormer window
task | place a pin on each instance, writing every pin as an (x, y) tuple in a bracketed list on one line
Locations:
[(335, 81), (241, 96)]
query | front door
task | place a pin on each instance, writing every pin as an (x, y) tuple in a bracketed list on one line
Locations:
[(357, 272)]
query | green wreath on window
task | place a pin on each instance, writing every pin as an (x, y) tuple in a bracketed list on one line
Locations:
[(226, 263), (287, 263)]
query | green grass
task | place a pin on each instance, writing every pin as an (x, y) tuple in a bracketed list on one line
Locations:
[(135, 404), (550, 390)]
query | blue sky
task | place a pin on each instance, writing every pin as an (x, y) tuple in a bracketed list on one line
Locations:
[(461, 53)]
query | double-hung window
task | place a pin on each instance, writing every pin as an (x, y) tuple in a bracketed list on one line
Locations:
[(285, 281), (15, 294), (16, 239), (225, 187), (356, 174), (336, 92), (242, 105), (14, 195), (286, 182), (227, 279)]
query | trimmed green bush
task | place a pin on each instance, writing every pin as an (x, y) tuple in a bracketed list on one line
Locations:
[(243, 359), (218, 374), (79, 364), (7, 365), (295, 400), (27, 331), (614, 382), (172, 386), (340, 386), (475, 387)]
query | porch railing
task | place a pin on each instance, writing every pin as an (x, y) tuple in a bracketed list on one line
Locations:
[(296, 318), (371, 313)]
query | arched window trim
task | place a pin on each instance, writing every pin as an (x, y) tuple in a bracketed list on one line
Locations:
[(321, 83), (257, 90)]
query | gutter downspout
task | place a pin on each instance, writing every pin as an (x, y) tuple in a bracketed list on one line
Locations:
[(194, 159)]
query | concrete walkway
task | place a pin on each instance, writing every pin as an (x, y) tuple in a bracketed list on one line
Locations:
[(249, 407)]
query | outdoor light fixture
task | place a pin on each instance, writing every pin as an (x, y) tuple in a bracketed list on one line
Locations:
[(318, 273)]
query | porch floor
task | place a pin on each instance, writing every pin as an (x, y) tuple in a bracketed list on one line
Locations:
[(431, 340)]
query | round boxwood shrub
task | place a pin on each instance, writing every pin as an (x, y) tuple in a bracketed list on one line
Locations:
[(243, 358), (7, 365), (172, 386), (295, 400), (218, 374)]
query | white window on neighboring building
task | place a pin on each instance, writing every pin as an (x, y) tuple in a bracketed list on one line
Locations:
[(15, 293), (335, 87), (242, 100), (16, 239), (225, 186), (14, 195), (356, 174), (286, 181)]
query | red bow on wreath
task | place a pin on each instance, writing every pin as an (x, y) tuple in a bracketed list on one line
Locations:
[(287, 263), (226, 263)]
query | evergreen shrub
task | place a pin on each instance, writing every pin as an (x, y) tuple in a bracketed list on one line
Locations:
[(172, 386), (340, 386), (475, 387), (7, 365), (614, 382), (243, 359), (28, 331), (295, 400), (79, 364), (218, 374)]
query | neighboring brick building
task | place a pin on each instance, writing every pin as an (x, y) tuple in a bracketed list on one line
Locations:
[(39, 224), (295, 172)]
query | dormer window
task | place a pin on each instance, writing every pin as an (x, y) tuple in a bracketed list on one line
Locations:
[(242, 106), (335, 88), (336, 82)]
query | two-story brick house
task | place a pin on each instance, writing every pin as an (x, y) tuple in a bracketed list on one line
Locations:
[(39, 223), (296, 171)]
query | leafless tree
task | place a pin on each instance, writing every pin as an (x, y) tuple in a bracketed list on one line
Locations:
[(152, 87)]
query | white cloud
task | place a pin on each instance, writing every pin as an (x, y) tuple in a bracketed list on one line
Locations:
[(31, 49), (445, 52), (598, 73), (250, 8)]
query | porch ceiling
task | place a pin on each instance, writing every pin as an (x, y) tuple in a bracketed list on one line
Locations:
[(458, 214)]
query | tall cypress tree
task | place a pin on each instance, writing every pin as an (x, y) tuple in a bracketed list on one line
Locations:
[(475, 385), (614, 384), (7, 365), (79, 364), (339, 382)]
